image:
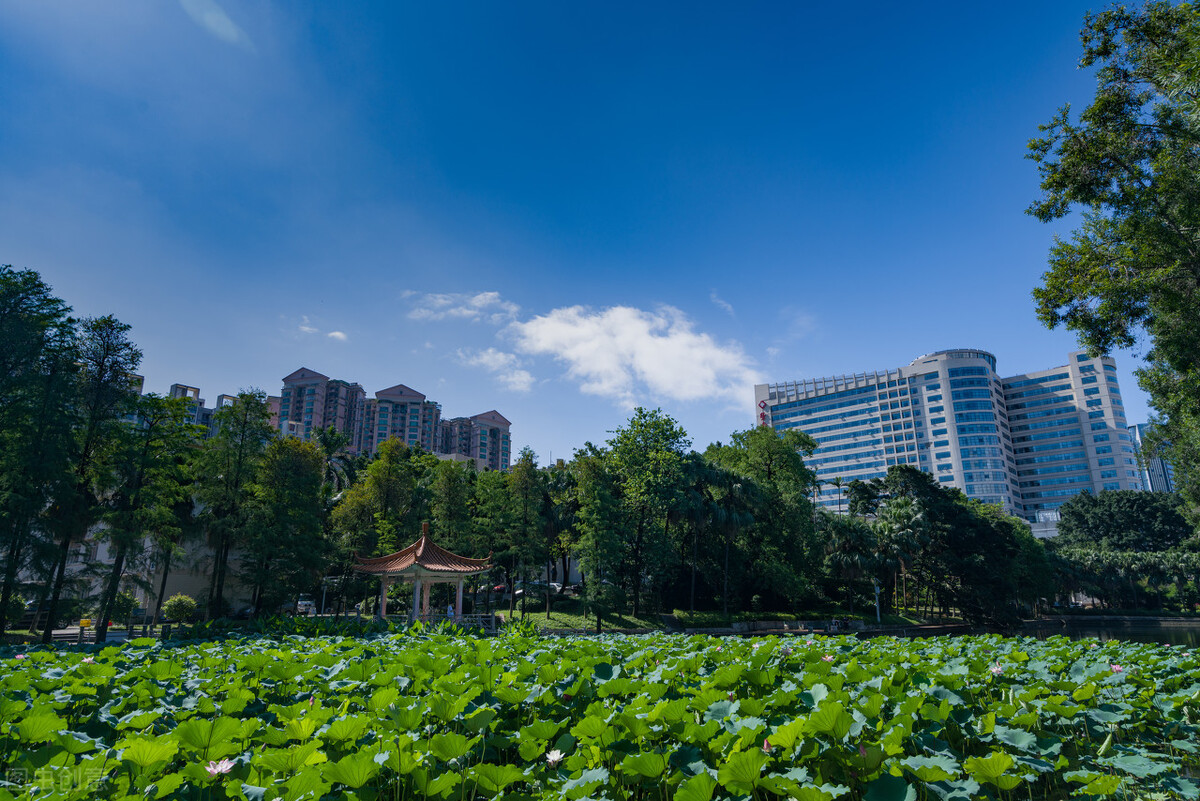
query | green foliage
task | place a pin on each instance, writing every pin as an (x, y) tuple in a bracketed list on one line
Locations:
[(1124, 521), (179, 607), (38, 368), (1130, 273), (150, 482), (227, 466), (647, 457), (390, 715), (284, 549), (382, 514), (957, 552), (122, 606)]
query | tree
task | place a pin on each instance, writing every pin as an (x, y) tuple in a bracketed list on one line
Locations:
[(228, 465), (850, 551), (1129, 163), (338, 471), (149, 478), (863, 496), (559, 509), (769, 504), (900, 532), (491, 516), (647, 456), (381, 514), (38, 365), (284, 549), (450, 500), (838, 484), (1123, 520), (599, 520), (105, 396), (526, 545)]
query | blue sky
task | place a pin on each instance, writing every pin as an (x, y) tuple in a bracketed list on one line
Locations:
[(556, 210)]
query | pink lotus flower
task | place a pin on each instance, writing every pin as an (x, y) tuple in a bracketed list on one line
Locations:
[(766, 746), (87, 660), (997, 669), (719, 649), (1116, 668), (218, 768), (809, 642), (20, 656), (827, 658)]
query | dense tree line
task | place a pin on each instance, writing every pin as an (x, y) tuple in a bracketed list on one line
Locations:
[(651, 524), (1129, 550)]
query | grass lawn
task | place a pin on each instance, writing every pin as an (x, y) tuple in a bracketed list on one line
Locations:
[(717, 619), (567, 613)]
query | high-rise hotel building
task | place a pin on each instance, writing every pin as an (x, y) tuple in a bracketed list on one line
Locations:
[(1027, 442)]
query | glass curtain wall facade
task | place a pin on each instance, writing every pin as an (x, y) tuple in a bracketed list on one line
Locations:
[(1019, 442), (1157, 474)]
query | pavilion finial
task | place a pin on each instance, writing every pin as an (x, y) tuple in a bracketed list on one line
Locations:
[(425, 529)]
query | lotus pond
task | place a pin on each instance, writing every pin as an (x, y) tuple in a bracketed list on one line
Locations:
[(651, 717)]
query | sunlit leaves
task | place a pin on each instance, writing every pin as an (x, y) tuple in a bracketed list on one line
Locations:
[(426, 716)]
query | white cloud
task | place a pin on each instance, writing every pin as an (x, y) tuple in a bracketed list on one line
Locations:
[(340, 336), (212, 18), (505, 366), (306, 328), (482, 306), (721, 304), (624, 353)]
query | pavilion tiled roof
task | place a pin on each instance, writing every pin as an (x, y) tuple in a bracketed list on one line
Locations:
[(424, 554)]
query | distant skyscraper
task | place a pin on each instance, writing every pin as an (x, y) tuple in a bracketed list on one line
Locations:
[(1028, 442), (199, 414), (400, 412), (483, 437), (311, 400), (1158, 475)]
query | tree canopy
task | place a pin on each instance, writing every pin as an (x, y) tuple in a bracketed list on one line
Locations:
[(1123, 520), (1129, 165)]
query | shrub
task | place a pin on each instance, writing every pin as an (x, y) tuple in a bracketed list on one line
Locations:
[(179, 607), (123, 606)]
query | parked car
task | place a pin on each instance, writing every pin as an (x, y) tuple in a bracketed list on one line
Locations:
[(304, 605), (33, 610)]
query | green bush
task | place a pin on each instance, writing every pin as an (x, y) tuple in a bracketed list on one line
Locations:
[(123, 606), (180, 607)]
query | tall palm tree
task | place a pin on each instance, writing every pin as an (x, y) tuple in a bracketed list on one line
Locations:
[(849, 552), (899, 528), (339, 472), (837, 483)]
